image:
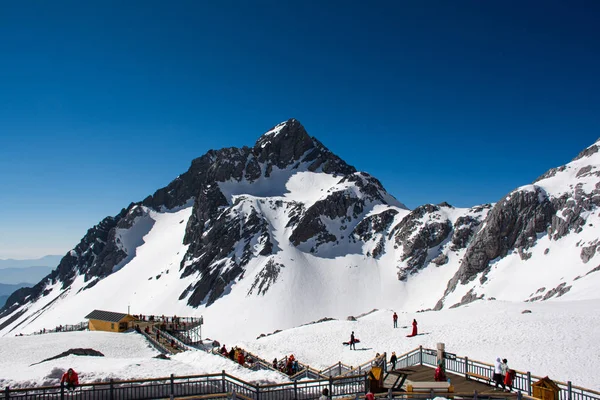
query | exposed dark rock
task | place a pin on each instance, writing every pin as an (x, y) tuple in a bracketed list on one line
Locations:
[(417, 235), (467, 298), (440, 260), (587, 252), (266, 277), (513, 222), (374, 224), (558, 291), (162, 356), (325, 319), (526, 312), (75, 352), (589, 272), (350, 318)]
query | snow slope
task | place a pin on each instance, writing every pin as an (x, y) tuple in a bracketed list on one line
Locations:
[(482, 331), (126, 356)]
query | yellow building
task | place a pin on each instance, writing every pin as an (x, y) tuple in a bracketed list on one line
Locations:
[(109, 321)]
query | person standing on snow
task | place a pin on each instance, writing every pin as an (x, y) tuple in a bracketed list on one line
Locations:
[(395, 318), (352, 341), (414, 331), (393, 360)]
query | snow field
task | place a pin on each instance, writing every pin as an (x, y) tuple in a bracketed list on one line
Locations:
[(127, 356)]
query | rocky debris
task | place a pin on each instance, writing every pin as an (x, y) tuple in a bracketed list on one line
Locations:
[(75, 352), (268, 334), (558, 291), (526, 312), (325, 319), (162, 357), (470, 297), (546, 251), (593, 270), (266, 277), (587, 252), (440, 260), (367, 313), (351, 318)]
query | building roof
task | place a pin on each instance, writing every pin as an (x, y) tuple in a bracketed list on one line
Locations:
[(106, 316)]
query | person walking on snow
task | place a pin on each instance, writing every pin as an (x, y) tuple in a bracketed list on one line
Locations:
[(395, 318), (352, 341), (498, 373), (393, 360)]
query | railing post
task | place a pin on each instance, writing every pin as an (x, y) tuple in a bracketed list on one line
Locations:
[(223, 381), (390, 394), (340, 368), (432, 394), (420, 355), (366, 383), (257, 392), (466, 367), (295, 389), (569, 390), (519, 395), (172, 386), (384, 361), (112, 389), (62, 391), (7, 393), (475, 395), (528, 383), (330, 386)]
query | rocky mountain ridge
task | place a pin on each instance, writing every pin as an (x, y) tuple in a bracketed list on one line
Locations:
[(264, 219)]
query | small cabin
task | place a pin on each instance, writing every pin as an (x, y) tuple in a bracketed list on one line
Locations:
[(545, 389), (109, 321)]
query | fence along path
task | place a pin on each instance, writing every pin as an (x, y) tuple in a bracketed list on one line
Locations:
[(353, 381), (471, 369)]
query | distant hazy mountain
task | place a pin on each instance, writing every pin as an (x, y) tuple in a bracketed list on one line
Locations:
[(7, 290), (46, 261), (31, 275)]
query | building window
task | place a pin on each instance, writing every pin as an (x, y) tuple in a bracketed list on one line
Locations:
[(112, 326)]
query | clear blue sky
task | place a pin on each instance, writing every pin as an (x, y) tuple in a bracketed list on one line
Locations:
[(103, 102)]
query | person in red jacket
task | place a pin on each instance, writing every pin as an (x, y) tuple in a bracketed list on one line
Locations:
[(70, 379), (395, 318), (241, 358)]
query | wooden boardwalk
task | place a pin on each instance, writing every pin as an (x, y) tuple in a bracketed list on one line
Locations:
[(422, 373)]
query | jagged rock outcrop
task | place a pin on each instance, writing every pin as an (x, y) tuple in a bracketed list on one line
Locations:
[(346, 204), (421, 230), (513, 223)]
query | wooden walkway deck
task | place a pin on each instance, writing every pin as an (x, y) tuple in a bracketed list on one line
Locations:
[(422, 373)]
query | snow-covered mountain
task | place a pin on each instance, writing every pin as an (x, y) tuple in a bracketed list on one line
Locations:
[(283, 233)]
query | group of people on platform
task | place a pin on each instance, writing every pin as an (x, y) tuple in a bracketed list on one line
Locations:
[(287, 365), (238, 355)]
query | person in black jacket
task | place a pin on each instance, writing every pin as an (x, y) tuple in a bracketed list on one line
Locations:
[(393, 360), (232, 354)]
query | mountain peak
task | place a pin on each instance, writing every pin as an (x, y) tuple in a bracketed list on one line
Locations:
[(286, 130)]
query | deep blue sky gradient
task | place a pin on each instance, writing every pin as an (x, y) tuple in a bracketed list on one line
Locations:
[(103, 102)]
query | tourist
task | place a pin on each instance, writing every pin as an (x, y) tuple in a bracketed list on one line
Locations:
[(70, 379)]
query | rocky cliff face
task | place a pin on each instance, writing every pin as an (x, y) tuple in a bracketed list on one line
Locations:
[(255, 211)]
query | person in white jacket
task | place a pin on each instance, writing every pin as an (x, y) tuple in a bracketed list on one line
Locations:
[(498, 373)]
